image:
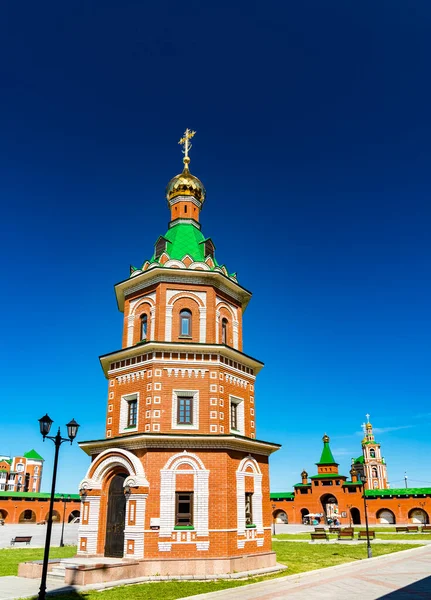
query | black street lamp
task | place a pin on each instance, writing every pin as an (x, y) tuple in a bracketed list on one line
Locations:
[(72, 429), (64, 499), (274, 506), (369, 551)]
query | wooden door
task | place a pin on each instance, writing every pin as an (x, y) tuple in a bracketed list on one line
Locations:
[(116, 518)]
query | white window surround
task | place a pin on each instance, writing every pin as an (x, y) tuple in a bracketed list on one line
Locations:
[(249, 468), (168, 488), (200, 298), (239, 414), (124, 412), (20, 467), (181, 393)]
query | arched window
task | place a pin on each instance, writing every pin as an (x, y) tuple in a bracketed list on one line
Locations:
[(372, 453), (144, 326), (224, 331), (374, 472), (185, 323)]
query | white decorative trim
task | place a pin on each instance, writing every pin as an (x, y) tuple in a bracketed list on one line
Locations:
[(167, 493), (117, 457), (135, 532), (168, 323), (239, 414), (257, 497), (189, 371), (89, 531), (202, 325), (131, 377)]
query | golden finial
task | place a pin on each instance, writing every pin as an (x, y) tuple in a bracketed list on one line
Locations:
[(185, 141)]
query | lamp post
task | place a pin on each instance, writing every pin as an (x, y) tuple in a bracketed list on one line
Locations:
[(349, 506), (369, 551), (274, 506), (72, 429), (64, 499)]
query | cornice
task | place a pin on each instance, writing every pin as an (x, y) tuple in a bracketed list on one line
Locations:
[(181, 276), (187, 347), (179, 441)]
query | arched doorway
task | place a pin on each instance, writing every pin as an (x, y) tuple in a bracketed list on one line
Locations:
[(386, 516), (304, 512), (116, 517), (55, 516), (418, 516), (280, 516), (355, 516), (3, 514), (73, 515), (330, 507), (27, 516)]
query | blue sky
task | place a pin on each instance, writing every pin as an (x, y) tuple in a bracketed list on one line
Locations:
[(313, 143)]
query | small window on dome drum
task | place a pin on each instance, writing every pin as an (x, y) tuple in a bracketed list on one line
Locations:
[(209, 248), (160, 247)]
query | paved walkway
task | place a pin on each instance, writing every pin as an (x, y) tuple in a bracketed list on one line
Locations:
[(400, 576)]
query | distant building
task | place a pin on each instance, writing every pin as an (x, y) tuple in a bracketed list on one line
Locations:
[(21, 473), (33, 507), (329, 496)]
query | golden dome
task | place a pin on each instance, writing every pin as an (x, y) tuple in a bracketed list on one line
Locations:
[(185, 184)]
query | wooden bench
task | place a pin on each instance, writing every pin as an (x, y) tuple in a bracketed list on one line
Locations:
[(401, 529), (346, 534), (412, 529), (334, 529), (319, 530), (362, 535), (21, 539), (319, 535), (426, 528)]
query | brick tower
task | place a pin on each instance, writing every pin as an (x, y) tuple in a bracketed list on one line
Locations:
[(180, 473), (371, 462)]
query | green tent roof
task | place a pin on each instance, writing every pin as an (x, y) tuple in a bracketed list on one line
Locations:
[(326, 457), (185, 238), (33, 455), (360, 459)]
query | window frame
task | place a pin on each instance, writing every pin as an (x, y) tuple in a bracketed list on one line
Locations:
[(187, 515), (248, 504), (181, 393), (234, 415), (133, 402), (186, 315), (125, 401), (191, 402), (144, 319), (224, 326)]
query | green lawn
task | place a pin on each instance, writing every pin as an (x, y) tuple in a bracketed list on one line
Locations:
[(299, 557), (11, 557), (380, 536)]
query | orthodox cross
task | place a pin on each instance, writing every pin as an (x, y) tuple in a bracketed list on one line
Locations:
[(368, 417), (364, 428), (185, 141)]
